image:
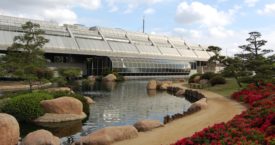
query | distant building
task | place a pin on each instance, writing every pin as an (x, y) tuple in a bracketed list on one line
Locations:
[(97, 50)]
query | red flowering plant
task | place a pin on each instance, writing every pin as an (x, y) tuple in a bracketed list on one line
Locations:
[(255, 126)]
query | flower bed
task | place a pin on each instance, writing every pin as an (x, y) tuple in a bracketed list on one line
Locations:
[(255, 126)]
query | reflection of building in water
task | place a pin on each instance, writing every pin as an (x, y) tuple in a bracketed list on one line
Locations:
[(111, 115)]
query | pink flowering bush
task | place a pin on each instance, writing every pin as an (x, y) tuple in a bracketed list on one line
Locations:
[(256, 126)]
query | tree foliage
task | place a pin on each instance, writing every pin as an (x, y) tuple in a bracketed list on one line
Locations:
[(251, 63), (25, 56), (254, 46)]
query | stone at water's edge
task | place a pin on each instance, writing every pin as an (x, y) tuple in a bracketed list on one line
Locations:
[(109, 135), (40, 137), (147, 125), (89, 100), (9, 130), (180, 93), (110, 78), (152, 85), (63, 105), (201, 104)]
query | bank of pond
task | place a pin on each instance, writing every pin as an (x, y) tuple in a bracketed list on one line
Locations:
[(117, 104)]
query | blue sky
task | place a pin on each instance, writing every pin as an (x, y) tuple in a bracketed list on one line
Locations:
[(225, 23)]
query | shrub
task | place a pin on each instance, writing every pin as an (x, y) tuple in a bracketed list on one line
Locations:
[(60, 81), (217, 80), (191, 78), (246, 80), (208, 75), (69, 73), (26, 107)]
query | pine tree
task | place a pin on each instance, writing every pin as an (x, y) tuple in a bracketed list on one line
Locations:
[(25, 56)]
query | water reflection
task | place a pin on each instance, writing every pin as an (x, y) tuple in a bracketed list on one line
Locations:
[(151, 93), (119, 104), (127, 102), (63, 129)]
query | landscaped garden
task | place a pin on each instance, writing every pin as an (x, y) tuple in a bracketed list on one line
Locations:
[(254, 126)]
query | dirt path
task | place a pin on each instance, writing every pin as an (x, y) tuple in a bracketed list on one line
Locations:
[(220, 109), (18, 86)]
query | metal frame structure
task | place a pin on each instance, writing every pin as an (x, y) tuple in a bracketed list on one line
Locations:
[(141, 53)]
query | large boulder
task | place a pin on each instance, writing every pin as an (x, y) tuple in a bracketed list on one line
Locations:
[(152, 85), (146, 125), (9, 130), (110, 78), (63, 105), (40, 137), (109, 135)]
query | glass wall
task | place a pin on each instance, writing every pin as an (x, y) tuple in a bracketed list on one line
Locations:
[(141, 66)]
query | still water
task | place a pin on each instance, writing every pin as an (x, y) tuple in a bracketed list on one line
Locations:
[(120, 104)]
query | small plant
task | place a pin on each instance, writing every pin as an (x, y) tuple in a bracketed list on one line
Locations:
[(26, 107), (217, 80)]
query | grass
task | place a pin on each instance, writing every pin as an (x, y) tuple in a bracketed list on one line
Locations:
[(227, 89)]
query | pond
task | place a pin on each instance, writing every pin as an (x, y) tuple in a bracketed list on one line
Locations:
[(117, 104)]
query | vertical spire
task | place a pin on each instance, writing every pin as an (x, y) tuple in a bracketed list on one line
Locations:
[(143, 24)]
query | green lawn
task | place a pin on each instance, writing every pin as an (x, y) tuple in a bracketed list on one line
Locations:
[(227, 89)]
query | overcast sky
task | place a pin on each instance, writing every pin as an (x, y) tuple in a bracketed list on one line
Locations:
[(225, 23)]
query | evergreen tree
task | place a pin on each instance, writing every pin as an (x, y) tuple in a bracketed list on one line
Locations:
[(25, 56), (254, 58)]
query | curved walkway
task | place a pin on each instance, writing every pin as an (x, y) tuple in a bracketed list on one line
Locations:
[(220, 109)]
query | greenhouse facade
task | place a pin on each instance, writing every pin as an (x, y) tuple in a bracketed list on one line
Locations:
[(97, 50)]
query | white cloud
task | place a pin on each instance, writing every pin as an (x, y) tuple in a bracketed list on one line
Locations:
[(220, 32), (202, 14), (149, 11), (60, 11), (268, 9), (251, 3), (131, 4)]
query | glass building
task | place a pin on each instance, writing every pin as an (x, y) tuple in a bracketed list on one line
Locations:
[(97, 50)]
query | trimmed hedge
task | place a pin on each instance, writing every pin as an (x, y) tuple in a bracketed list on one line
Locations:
[(217, 80), (26, 107)]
